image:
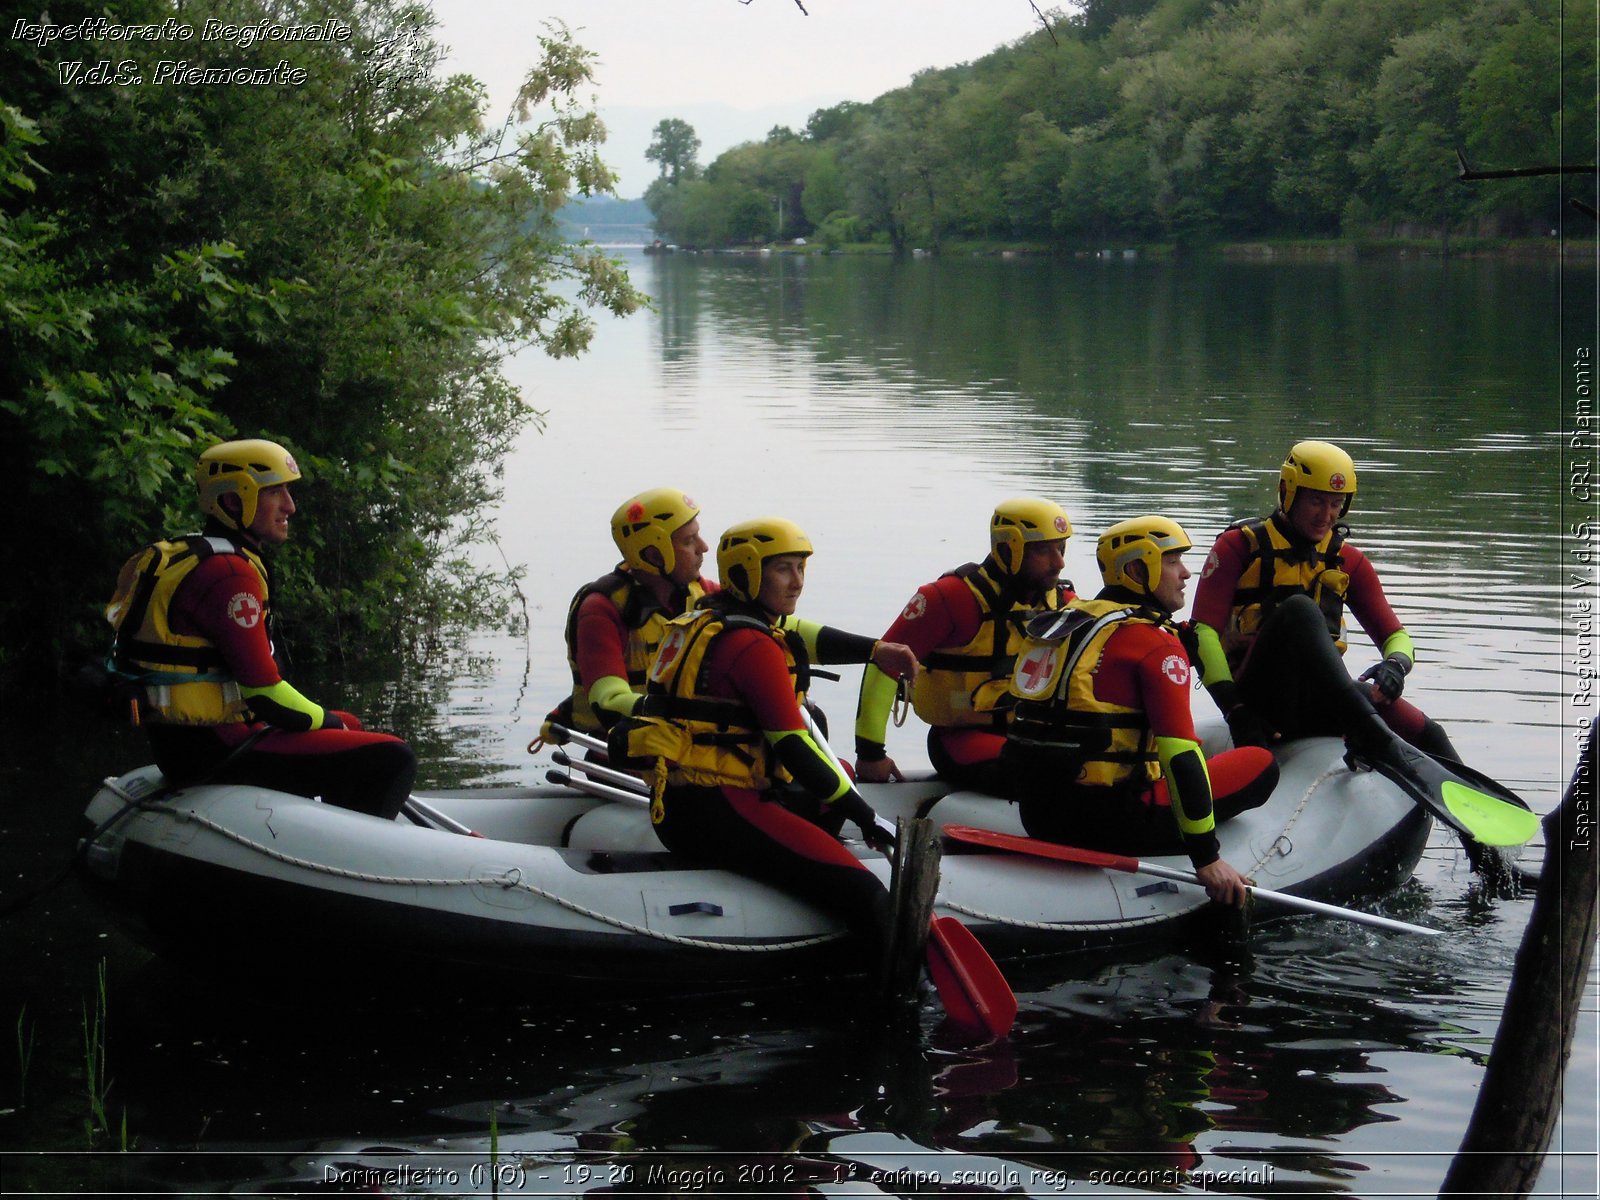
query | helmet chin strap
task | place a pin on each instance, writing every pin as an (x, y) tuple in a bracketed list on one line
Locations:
[(1144, 595), (232, 515)]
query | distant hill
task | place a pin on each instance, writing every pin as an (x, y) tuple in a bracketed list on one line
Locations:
[(607, 220)]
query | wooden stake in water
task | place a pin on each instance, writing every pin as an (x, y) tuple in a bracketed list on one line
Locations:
[(913, 881)]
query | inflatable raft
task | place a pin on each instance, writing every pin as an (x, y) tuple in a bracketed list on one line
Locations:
[(561, 887)]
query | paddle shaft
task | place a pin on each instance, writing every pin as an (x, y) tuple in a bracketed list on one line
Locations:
[(994, 840), (1288, 901), (603, 774), (433, 816), (587, 741), (603, 791)]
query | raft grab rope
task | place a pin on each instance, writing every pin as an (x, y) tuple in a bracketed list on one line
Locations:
[(508, 882)]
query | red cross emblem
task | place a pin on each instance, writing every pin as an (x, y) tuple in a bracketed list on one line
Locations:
[(244, 610), (1336, 482), (668, 652), (1176, 669), (1036, 670), (915, 609)]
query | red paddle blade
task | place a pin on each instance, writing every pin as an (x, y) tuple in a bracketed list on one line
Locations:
[(993, 840), (977, 998)]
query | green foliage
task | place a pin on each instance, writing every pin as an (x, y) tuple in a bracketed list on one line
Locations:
[(675, 148), (342, 264), (1191, 120), (1416, 101), (822, 187), (109, 385)]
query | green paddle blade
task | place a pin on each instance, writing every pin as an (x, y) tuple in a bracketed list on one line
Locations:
[(1490, 819)]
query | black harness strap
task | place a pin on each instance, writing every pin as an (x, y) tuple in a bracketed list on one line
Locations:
[(1268, 594), (124, 650)]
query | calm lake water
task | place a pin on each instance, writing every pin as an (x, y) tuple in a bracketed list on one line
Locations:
[(886, 407)]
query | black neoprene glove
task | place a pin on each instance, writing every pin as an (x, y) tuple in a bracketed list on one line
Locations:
[(874, 830), (1389, 676)]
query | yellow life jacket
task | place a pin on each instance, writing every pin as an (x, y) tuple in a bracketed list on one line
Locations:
[(699, 739), (1056, 716), (966, 686), (646, 622), (1277, 569), (177, 679)]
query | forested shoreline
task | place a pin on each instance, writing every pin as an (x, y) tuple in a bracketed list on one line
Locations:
[(1181, 123)]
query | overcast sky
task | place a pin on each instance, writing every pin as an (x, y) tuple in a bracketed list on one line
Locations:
[(732, 70)]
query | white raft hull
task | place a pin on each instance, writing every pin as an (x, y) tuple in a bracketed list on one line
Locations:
[(566, 888)]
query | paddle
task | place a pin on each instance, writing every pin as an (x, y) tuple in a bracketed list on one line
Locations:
[(976, 997), (426, 815), (1466, 800), (637, 788), (994, 840), (602, 791), (586, 740)]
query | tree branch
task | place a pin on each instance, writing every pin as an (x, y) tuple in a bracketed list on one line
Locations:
[(1467, 175), (1043, 22)]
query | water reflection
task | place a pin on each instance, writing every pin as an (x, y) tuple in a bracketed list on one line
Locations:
[(1111, 379), (1165, 1065)]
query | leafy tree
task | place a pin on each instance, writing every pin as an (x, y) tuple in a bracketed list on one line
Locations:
[(837, 123), (342, 263), (823, 187), (1507, 110), (1096, 17), (1106, 191), (1032, 179), (902, 162), (980, 134), (676, 149), (776, 170), (1410, 162), (707, 214)]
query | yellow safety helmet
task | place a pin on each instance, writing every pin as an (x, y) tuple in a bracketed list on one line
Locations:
[(241, 469), (1021, 520), (1138, 539), (1321, 466), (743, 549), (650, 519)]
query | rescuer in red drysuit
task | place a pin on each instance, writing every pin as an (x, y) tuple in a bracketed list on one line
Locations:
[(740, 779), (194, 649)]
